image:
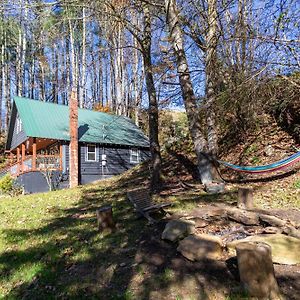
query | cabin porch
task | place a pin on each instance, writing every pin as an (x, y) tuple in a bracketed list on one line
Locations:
[(35, 154)]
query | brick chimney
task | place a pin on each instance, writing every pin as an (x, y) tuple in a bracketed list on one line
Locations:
[(73, 104)]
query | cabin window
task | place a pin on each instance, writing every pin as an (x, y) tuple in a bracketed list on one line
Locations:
[(90, 152), (134, 155), (19, 125)]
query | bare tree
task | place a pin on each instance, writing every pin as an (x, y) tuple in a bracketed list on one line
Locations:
[(188, 95)]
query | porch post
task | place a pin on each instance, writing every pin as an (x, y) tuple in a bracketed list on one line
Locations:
[(34, 154), (23, 157), (60, 156), (18, 160), (11, 158)]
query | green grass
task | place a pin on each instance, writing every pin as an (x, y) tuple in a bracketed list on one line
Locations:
[(50, 247), (43, 236), (297, 184)]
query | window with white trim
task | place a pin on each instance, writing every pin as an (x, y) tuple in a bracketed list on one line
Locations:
[(90, 152), (134, 156)]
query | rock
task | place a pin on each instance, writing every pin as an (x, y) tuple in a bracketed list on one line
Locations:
[(178, 229), (269, 150), (285, 249), (201, 246), (242, 216), (271, 220), (215, 188), (208, 212), (292, 231), (200, 223), (271, 230)]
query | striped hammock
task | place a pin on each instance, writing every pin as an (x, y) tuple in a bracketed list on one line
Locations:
[(279, 165)]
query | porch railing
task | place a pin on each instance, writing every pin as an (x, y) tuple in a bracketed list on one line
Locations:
[(41, 163), (48, 162)]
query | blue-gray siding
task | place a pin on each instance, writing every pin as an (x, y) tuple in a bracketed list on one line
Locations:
[(117, 157), (35, 182), (14, 138), (118, 161)]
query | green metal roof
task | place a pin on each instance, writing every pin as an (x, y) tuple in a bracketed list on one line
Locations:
[(50, 120)]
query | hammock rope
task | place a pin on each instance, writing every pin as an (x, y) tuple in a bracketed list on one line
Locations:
[(281, 164)]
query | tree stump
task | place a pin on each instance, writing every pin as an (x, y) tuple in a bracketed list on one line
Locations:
[(257, 271), (245, 198), (105, 218)]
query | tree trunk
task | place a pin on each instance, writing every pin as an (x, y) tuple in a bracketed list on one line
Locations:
[(32, 76), (211, 71), (135, 75), (73, 57), (42, 82), (67, 72), (2, 82), (105, 218), (118, 70), (245, 198), (55, 71), (82, 88), (153, 105), (100, 80), (257, 271), (19, 64), (112, 82), (204, 164), (24, 50), (6, 94)]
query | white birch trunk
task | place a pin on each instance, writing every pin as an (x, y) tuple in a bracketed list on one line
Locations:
[(73, 56), (19, 63), (211, 75), (2, 83), (82, 88), (6, 94)]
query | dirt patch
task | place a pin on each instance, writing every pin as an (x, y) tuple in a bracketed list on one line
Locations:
[(158, 271)]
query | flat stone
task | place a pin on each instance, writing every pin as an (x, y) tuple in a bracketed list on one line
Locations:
[(200, 223), (292, 231), (215, 188), (201, 246), (208, 212), (243, 216), (178, 229), (271, 230), (271, 220), (285, 249)]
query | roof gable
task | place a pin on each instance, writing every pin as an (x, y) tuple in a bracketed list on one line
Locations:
[(50, 120)]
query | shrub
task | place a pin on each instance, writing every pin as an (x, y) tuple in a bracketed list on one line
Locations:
[(7, 186), (297, 184)]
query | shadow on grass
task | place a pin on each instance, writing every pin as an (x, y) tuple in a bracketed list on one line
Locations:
[(70, 259)]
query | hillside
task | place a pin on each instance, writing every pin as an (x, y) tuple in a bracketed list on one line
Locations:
[(51, 248)]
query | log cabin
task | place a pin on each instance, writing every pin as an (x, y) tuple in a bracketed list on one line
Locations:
[(38, 143)]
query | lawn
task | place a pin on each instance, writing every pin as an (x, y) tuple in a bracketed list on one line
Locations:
[(50, 247)]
